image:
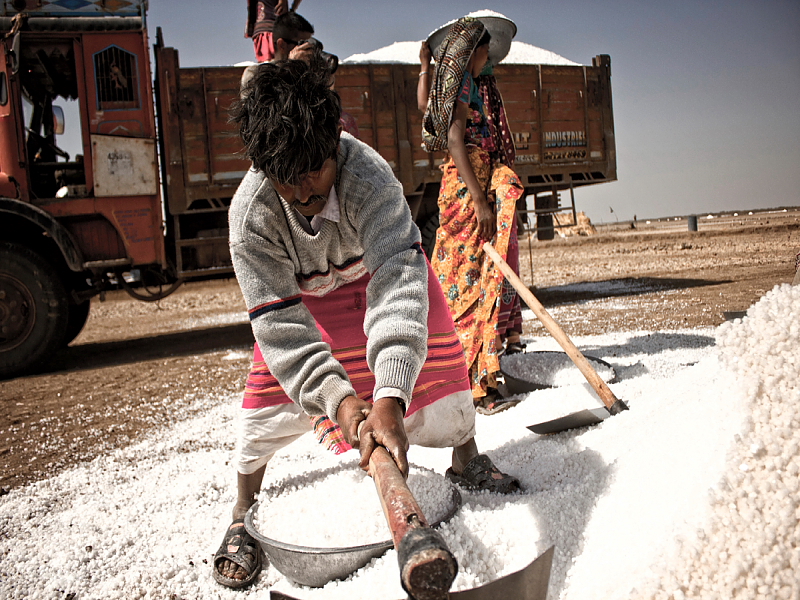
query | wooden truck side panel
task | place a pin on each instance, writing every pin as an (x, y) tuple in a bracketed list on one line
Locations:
[(202, 160), (560, 117)]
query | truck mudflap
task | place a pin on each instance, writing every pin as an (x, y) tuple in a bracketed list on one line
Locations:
[(47, 223)]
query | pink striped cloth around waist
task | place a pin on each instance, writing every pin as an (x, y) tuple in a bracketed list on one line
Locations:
[(339, 316)]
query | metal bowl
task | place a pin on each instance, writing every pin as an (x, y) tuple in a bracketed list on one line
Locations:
[(516, 385), (501, 28), (315, 567)]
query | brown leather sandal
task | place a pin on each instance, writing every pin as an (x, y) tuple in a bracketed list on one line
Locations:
[(480, 474), (240, 548)]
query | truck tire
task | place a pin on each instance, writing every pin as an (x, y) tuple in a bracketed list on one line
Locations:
[(78, 314), (33, 309), (428, 232)]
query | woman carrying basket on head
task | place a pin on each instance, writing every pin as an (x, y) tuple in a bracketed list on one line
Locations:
[(477, 203)]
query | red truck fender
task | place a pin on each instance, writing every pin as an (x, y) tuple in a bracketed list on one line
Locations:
[(49, 227)]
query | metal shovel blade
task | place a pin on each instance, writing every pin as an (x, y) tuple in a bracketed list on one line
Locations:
[(530, 583), (582, 418)]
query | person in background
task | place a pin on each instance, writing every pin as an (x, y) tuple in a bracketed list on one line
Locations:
[(290, 34), (261, 16), (293, 41), (349, 322), (501, 149), (477, 202)]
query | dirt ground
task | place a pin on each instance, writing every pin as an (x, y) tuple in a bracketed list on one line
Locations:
[(137, 366)]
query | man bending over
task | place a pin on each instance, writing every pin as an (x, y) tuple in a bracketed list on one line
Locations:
[(349, 320)]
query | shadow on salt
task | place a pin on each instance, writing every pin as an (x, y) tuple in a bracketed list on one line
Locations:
[(649, 344)]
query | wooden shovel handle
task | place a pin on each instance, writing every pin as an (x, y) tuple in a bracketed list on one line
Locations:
[(427, 567), (585, 367), (399, 504)]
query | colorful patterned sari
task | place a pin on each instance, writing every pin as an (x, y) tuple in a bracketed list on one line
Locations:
[(481, 307), (472, 285), (503, 151)]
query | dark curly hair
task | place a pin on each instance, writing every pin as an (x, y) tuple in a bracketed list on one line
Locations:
[(289, 24), (288, 119)]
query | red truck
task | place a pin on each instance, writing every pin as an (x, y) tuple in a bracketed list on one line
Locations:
[(144, 204)]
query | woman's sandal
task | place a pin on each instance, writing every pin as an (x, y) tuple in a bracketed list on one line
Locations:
[(493, 403), (240, 548), (480, 474), (514, 348)]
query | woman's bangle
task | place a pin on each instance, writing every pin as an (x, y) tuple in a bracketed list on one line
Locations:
[(422, 73)]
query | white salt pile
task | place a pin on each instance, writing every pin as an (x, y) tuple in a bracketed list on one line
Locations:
[(407, 53), (551, 369), (310, 511), (750, 545), (528, 54), (398, 53)]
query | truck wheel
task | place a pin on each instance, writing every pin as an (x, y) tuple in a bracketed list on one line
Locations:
[(78, 314), (33, 309), (428, 232)]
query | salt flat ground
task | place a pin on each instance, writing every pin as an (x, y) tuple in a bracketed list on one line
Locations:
[(137, 366)]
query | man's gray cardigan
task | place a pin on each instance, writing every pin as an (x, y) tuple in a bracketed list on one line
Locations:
[(277, 262)]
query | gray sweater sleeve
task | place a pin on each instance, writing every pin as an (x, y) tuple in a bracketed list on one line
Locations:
[(396, 323)]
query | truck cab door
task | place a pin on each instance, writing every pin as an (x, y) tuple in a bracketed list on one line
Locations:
[(12, 175), (122, 169), (121, 118)]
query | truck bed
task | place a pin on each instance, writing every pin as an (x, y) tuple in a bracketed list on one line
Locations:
[(561, 118)]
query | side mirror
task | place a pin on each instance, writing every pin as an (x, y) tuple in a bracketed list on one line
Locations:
[(15, 54), (58, 120)]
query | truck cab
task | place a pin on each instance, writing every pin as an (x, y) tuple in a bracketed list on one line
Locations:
[(73, 223)]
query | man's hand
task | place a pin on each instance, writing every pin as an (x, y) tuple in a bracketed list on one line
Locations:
[(303, 51), (351, 413), (381, 424)]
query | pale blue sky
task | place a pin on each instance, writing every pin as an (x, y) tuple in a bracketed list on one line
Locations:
[(706, 94)]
